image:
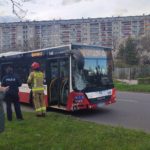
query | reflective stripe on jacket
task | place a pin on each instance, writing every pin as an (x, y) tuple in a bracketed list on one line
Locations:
[(36, 79)]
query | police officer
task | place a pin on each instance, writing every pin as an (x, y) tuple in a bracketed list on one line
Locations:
[(11, 95), (35, 82)]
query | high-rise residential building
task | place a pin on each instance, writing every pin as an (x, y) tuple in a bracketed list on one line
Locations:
[(24, 36)]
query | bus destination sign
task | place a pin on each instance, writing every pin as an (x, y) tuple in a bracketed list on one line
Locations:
[(36, 54)]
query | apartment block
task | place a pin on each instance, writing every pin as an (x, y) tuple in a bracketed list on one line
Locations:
[(24, 36)]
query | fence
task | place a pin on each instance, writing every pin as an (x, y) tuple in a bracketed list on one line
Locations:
[(132, 73)]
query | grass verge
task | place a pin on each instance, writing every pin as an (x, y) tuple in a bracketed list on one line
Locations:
[(132, 88), (61, 132)]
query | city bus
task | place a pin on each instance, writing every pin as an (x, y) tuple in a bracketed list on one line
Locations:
[(75, 76)]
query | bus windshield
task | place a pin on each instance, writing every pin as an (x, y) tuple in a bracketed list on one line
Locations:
[(92, 69)]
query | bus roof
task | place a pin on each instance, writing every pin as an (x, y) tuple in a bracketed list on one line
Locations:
[(79, 46), (9, 53), (51, 51)]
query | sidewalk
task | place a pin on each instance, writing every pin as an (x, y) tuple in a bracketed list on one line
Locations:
[(130, 82), (24, 108)]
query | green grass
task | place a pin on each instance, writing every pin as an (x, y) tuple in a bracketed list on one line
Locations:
[(132, 88), (63, 132)]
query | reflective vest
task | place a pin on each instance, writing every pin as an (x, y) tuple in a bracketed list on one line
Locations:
[(38, 81)]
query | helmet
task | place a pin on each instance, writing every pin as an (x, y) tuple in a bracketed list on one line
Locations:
[(35, 65)]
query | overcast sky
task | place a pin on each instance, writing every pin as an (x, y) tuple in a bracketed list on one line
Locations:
[(67, 9)]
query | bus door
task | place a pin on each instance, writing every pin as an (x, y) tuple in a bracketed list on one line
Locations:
[(57, 76)]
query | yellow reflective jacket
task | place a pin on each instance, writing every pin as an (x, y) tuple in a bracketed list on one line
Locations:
[(35, 79)]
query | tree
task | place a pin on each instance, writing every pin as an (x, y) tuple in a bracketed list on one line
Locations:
[(131, 55), (121, 52), (127, 53), (17, 8), (145, 43), (144, 49)]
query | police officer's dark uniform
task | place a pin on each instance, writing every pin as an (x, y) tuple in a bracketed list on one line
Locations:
[(11, 96)]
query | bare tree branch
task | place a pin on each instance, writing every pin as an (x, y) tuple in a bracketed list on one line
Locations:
[(17, 8)]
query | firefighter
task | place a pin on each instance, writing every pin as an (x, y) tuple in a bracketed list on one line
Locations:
[(35, 82), (11, 96)]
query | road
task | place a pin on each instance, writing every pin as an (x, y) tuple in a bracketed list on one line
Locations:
[(132, 110)]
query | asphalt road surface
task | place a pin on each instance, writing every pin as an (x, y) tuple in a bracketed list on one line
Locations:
[(132, 110)]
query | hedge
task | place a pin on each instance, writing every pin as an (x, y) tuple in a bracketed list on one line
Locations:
[(144, 80)]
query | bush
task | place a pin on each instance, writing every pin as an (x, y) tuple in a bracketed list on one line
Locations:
[(144, 80)]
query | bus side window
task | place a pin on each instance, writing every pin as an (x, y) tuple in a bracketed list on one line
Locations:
[(54, 70), (23, 72), (64, 69), (3, 69), (2, 72)]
